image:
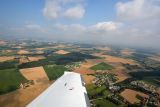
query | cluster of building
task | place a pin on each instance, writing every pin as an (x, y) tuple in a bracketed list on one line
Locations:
[(109, 80), (145, 86), (74, 65), (154, 96)]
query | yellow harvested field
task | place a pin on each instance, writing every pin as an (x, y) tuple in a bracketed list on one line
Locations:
[(130, 95), (22, 97), (126, 52), (88, 79), (59, 46), (6, 58), (91, 62), (104, 48), (119, 60), (40, 49), (156, 58), (114, 59), (37, 74), (21, 52), (61, 52), (121, 78), (23, 60), (36, 58), (84, 71)]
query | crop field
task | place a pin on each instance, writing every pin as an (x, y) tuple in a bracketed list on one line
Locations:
[(37, 58), (88, 78), (61, 52), (156, 58), (10, 80), (54, 71), (102, 66), (130, 95), (22, 97), (126, 52), (21, 52), (6, 58), (103, 103), (114, 59), (37, 74)]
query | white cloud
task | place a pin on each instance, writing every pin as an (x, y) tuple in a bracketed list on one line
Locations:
[(108, 26), (76, 12), (72, 9), (51, 9), (138, 10)]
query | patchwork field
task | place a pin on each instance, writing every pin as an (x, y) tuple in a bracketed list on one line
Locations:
[(104, 48), (36, 58), (156, 58), (91, 62), (102, 66), (126, 52), (114, 59), (130, 95), (6, 58), (21, 52), (37, 74), (61, 52), (84, 71), (23, 60)]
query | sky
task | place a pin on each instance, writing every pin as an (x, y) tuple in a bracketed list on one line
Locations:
[(119, 22)]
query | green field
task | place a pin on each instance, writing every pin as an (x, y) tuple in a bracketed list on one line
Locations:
[(94, 92), (10, 80), (54, 71), (99, 94), (103, 103), (102, 66)]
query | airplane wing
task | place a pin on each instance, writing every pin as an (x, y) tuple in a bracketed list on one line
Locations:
[(67, 91)]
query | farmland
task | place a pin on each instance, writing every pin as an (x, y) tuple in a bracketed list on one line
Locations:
[(130, 95), (10, 80), (54, 71), (102, 66), (107, 72)]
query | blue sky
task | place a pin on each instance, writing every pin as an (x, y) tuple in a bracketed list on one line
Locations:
[(22, 11), (121, 22)]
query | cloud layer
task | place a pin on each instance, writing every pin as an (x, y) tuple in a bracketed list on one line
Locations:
[(72, 9), (136, 24)]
